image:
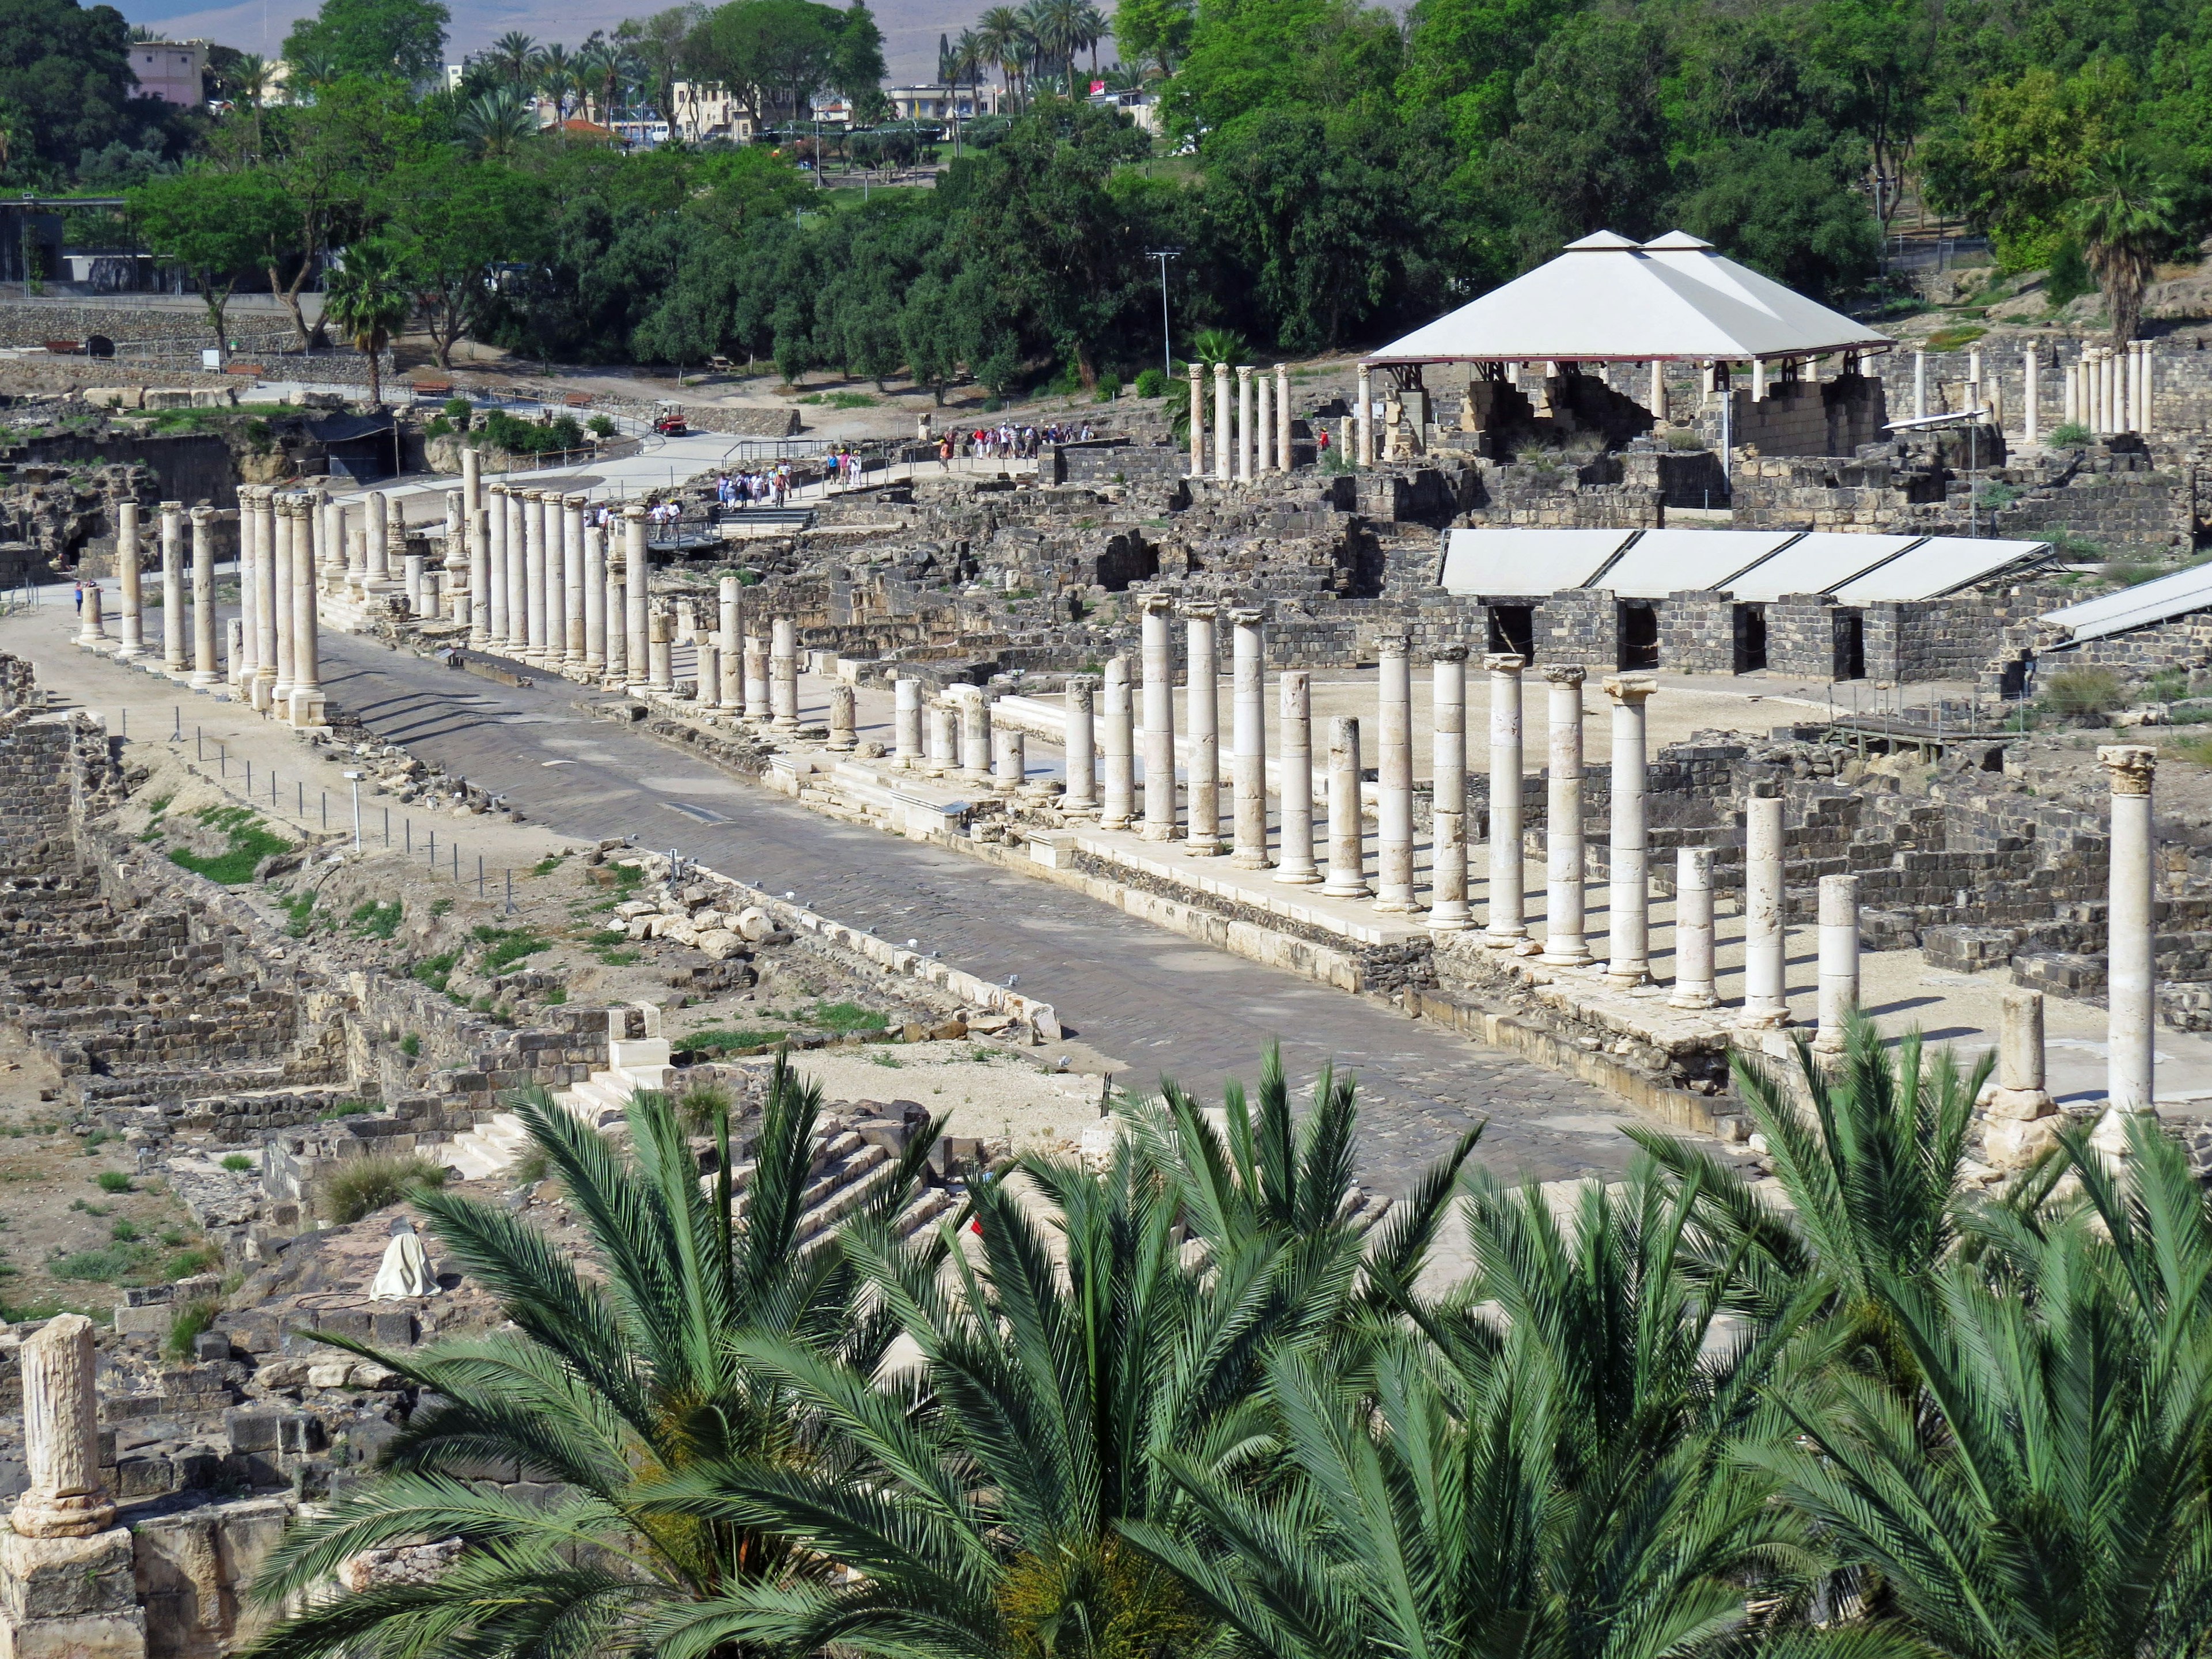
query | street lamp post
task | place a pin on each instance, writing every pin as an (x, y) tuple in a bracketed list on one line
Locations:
[(1167, 350), (353, 778)]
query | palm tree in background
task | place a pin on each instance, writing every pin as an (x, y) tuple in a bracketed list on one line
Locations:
[(1056, 27), (514, 54), (2124, 220), (309, 72), (1096, 26), (557, 77), (498, 123), (598, 71), (370, 302), (247, 82), (1000, 35), (966, 60)]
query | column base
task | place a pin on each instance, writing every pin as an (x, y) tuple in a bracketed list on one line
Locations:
[(1450, 918), (1299, 875), (1396, 906), (1249, 862), (204, 679), (1627, 976), (2110, 1137), (1506, 939), (261, 695), (308, 707), (1200, 847), (1762, 1019), (1825, 1041), (1576, 955), (1693, 999), (1350, 890), (130, 652), (1159, 832)]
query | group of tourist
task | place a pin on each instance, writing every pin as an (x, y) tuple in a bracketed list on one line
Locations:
[(1006, 441), (763, 489)]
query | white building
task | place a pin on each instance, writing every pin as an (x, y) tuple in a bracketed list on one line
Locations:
[(171, 70), (935, 103)]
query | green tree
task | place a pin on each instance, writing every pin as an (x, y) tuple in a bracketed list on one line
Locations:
[(67, 69), (215, 226), (452, 225), (2028, 146), (793, 48), (327, 161), (370, 301), (375, 38), (1801, 218), (497, 124), (605, 1387), (1156, 32), (2125, 221)]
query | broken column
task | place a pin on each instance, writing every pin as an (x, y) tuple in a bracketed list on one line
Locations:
[(844, 719), (1839, 958), (1159, 719), (131, 642), (1118, 745), (89, 633), (65, 1497), (1363, 418), (975, 752), (1081, 741), (2021, 1120), (661, 666), (707, 676), (1565, 946), (206, 672), (1295, 860), (1509, 923), (1693, 928), (175, 619), (730, 598), (1197, 424), (1765, 960), (1202, 708), (759, 707), (1248, 737), (412, 567), (783, 673), (1347, 852), (941, 739), (1447, 906), (1009, 759), (1394, 779), (906, 722), (2131, 1002), (1628, 900)]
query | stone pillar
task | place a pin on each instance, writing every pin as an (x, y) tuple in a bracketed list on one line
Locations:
[(484, 571), (1509, 923), (707, 676), (1919, 385), (1197, 424), (412, 567), (574, 649), (457, 561), (617, 610), (2131, 1000), (1119, 804), (1394, 779), (307, 699), (65, 1497), (1295, 858), (518, 585), (541, 627), (89, 632), (2021, 1122), (2031, 419), (1283, 455), (1347, 853), (1225, 427), (941, 727), (1839, 958), (1693, 928), (280, 617), (494, 539), (783, 673), (1657, 400), (1244, 433), (240, 669), (1009, 760), (595, 600), (1765, 959), (206, 672), (1202, 708), (2144, 386), (844, 719), (133, 642), (660, 666), (731, 686), (906, 722), (1448, 906), (1563, 943), (976, 753), (729, 595), (175, 653), (760, 706), (638, 578), (471, 482), (265, 596), (1082, 743), (1263, 424), (1629, 894), (377, 565), (1362, 419), (1248, 735), (1159, 719)]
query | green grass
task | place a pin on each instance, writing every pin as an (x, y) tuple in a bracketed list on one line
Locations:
[(2086, 691), (547, 864), (345, 1108), (507, 946), (885, 1057), (618, 958), (375, 921), (124, 1231), (109, 1265), (411, 1046), (368, 1184), (112, 1181), (192, 1319), (847, 1017), (439, 906), (840, 399), (185, 1263), (1957, 334), (301, 910), (249, 843), (237, 1162), (435, 971), (720, 1040), (2072, 435)]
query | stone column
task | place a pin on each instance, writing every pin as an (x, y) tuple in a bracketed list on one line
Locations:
[(1119, 805), (1082, 743), (760, 706), (2130, 1000), (457, 552), (1839, 958), (175, 653), (471, 482), (617, 610), (280, 589), (377, 565), (1248, 736), (65, 1497), (1347, 852), (637, 579), (1263, 424), (906, 722), (2021, 1120), (1159, 719), (941, 727), (707, 676), (1283, 455), (1447, 906), (1010, 764), (575, 646), (518, 585), (307, 698), (729, 593), (1629, 896), (1765, 960), (595, 601), (1202, 708), (844, 719), (1693, 928), (661, 666), (206, 672), (1394, 779), (783, 673), (1363, 418), (2031, 422), (541, 627), (484, 573), (494, 539), (132, 644), (89, 630), (1244, 423), (412, 570), (1197, 424), (1657, 401), (1919, 385), (1563, 943), (1295, 860), (975, 752), (1509, 923), (240, 669), (1225, 427), (264, 596)]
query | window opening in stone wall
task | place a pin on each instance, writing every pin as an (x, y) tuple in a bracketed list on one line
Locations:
[(1750, 639), (1513, 628), (1639, 636), (1851, 655)]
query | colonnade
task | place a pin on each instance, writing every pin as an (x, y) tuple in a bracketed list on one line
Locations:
[(1251, 421)]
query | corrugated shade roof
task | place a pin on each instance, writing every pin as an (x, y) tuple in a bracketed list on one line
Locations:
[(1526, 562), (2145, 603), (1664, 562), (1606, 298)]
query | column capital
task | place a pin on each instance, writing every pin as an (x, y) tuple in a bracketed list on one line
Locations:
[(1247, 615), (1630, 689), (1244, 371), (2131, 767), (1565, 673), (204, 514), (1202, 611), (1082, 688), (1221, 371), (1449, 653), (1194, 374), (1392, 643), (1155, 605), (1503, 662), (171, 507), (576, 498), (634, 512)]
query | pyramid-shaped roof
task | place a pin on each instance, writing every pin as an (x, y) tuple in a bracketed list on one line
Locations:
[(1607, 297)]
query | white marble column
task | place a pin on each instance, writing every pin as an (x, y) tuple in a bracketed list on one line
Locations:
[(1693, 928), (2030, 425), (377, 568), (2130, 949), (412, 571), (975, 752), (1202, 708), (637, 579), (471, 483), (1628, 899), (617, 608), (456, 559), (308, 697), (207, 672), (1509, 921), (239, 669), (1225, 427), (659, 653), (1347, 851), (844, 719), (131, 642), (1244, 433), (1363, 418), (760, 704), (1447, 906), (495, 540), (65, 1496), (906, 722), (1009, 759), (729, 595), (783, 673), (280, 616), (1248, 737), (534, 560), (483, 571), (1284, 454), (575, 635), (1765, 962), (1119, 744), (1160, 822), (1081, 747), (595, 601), (176, 652), (1565, 946), (1263, 424), (518, 587), (1394, 779), (90, 632), (941, 735), (266, 597), (1197, 424), (1919, 385), (1295, 865), (1839, 958)]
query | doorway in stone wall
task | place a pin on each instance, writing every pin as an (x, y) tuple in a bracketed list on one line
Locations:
[(1750, 639), (1850, 647), (1639, 635)]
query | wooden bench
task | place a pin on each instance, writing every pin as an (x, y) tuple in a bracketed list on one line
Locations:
[(255, 369), (577, 399), (433, 388), (64, 347)]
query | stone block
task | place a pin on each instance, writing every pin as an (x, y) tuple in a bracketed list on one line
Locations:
[(392, 1329), (89, 1636), (152, 1320), (253, 1430), (47, 1578), (211, 1345)]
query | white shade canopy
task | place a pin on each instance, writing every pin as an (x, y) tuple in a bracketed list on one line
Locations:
[(1609, 299)]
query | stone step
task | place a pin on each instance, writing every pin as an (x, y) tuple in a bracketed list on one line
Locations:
[(489, 1148)]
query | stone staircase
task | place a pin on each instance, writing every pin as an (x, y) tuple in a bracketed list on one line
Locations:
[(495, 1145)]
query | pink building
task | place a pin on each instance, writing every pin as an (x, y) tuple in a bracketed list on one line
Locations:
[(170, 69)]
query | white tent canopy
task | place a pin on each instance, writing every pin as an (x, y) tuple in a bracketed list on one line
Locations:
[(1609, 299), (2139, 606)]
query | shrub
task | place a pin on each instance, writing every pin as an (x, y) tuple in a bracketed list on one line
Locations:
[(2084, 691), (112, 1181), (2068, 277), (2072, 435), (716, 1039), (1109, 387), (508, 946), (435, 971), (1950, 339), (249, 843), (1152, 383), (849, 1016), (185, 1263), (600, 426), (699, 1105), (518, 437), (373, 921), (457, 410), (368, 1184), (237, 1162), (102, 1266), (191, 1319), (1685, 438), (531, 1168), (411, 1046), (124, 1231)]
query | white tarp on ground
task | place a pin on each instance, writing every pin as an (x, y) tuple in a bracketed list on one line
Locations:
[(2139, 606), (1510, 562), (1663, 561), (1607, 299)]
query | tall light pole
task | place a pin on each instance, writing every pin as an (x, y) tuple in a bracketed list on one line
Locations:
[(1167, 355)]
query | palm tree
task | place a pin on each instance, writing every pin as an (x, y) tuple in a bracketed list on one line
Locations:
[(557, 77), (309, 72), (247, 82), (1094, 25), (514, 54), (2045, 1493), (603, 1387), (15, 131), (496, 123), (2124, 220), (1057, 27), (598, 66), (1000, 36), (370, 302)]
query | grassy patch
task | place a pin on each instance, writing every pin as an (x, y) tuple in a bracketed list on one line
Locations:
[(368, 1184), (299, 911), (192, 1319), (505, 946), (237, 1162), (345, 1108), (547, 864), (530, 1168), (109, 1265), (250, 843), (375, 921), (885, 1057), (1957, 334), (2084, 691), (720, 1040), (185, 1263), (847, 1017), (618, 957), (411, 1046), (124, 1231), (112, 1181), (435, 971), (840, 399)]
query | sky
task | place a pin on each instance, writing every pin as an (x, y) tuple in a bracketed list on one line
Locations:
[(910, 26)]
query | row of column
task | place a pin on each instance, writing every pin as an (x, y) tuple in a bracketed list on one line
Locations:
[(2107, 389), (1251, 424)]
